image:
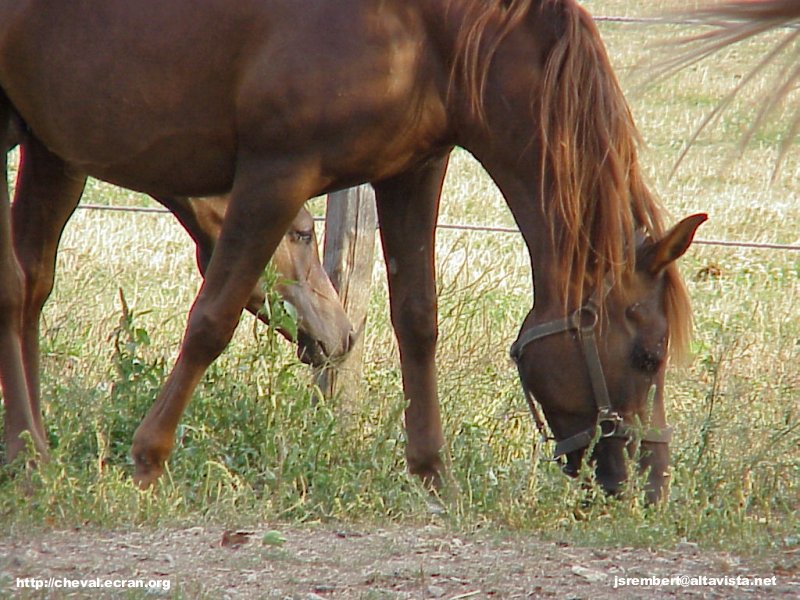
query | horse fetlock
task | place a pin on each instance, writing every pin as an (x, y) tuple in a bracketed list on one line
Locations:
[(430, 470), (655, 463), (147, 470)]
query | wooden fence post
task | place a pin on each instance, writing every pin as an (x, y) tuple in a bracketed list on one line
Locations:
[(348, 257)]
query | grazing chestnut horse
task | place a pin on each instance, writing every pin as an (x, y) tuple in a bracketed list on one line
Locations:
[(276, 101), (324, 331)]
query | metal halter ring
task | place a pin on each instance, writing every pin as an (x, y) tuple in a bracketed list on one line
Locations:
[(577, 318), (611, 424)]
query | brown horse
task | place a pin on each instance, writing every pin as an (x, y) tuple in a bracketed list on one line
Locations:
[(281, 100)]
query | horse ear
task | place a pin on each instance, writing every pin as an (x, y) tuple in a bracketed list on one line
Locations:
[(673, 245)]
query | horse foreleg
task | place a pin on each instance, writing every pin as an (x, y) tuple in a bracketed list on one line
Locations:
[(253, 227), (407, 212), (655, 455), (46, 196), (202, 219)]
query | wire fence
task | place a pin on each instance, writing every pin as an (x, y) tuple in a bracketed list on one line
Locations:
[(471, 227)]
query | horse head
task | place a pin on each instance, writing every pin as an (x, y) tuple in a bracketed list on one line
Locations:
[(593, 371), (324, 331), (609, 301)]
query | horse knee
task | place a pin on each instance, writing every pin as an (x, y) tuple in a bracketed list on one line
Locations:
[(416, 325), (207, 335)]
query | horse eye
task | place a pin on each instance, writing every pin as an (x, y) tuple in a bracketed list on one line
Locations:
[(302, 236), (633, 312)]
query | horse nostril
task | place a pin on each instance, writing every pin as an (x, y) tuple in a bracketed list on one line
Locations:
[(351, 340)]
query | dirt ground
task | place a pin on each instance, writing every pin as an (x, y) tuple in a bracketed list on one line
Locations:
[(325, 562)]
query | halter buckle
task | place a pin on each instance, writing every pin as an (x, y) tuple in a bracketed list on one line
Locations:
[(611, 424)]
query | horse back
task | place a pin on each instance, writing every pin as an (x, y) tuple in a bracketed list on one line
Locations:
[(164, 96)]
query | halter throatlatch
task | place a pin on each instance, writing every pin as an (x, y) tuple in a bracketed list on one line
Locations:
[(610, 424)]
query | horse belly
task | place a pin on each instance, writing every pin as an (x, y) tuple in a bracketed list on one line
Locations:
[(175, 160), (178, 165)]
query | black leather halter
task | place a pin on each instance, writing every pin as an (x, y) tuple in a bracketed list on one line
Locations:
[(610, 424)]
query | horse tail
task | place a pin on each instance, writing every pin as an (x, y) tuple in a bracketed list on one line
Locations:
[(7, 121), (734, 22), (11, 125)]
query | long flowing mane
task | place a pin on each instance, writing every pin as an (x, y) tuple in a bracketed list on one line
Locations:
[(592, 186)]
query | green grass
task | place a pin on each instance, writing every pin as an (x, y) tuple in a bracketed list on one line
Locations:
[(259, 443)]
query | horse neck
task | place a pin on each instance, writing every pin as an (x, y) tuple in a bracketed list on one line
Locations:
[(485, 126), (555, 290), (566, 164), (465, 34)]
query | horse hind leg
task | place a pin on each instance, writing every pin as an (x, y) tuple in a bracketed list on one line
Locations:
[(16, 398), (47, 192), (201, 219), (254, 225)]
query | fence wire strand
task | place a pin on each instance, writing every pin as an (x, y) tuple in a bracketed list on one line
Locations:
[(468, 227)]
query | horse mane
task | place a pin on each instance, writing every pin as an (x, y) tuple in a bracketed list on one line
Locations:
[(486, 23), (591, 184), (731, 23)]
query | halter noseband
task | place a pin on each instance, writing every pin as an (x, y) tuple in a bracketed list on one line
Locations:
[(610, 423)]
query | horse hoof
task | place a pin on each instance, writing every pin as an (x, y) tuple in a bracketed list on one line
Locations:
[(27, 446), (145, 478), (147, 470)]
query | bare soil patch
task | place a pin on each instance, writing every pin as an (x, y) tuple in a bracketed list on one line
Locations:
[(322, 562)]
